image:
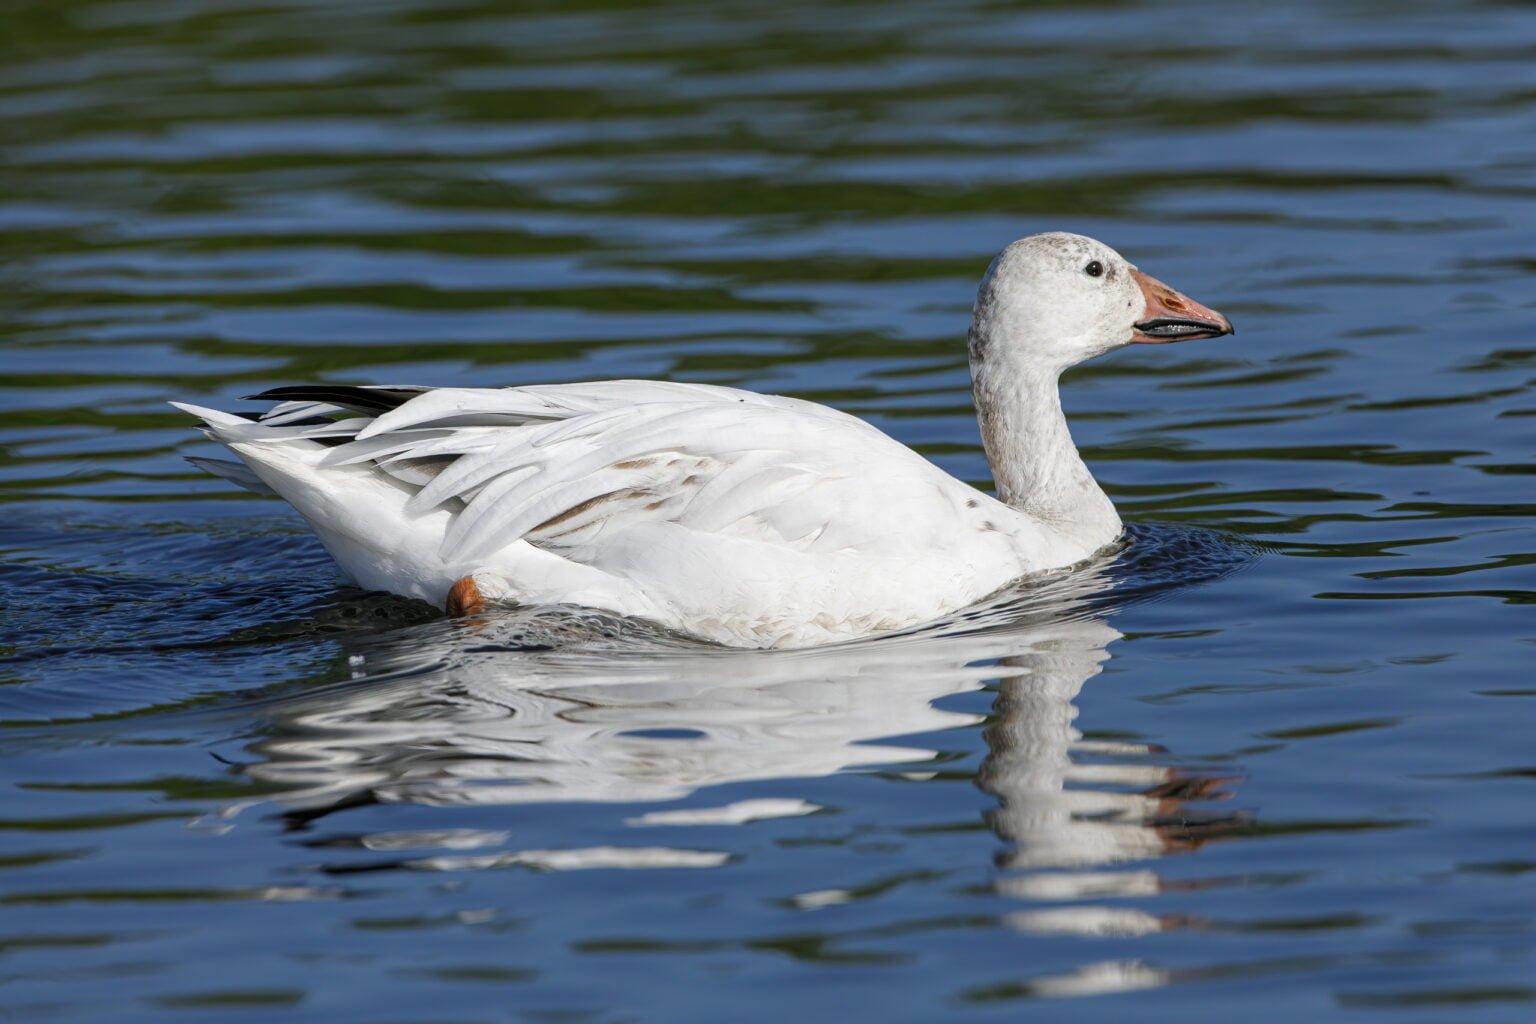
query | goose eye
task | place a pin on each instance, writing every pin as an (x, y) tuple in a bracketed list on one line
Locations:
[(1094, 268)]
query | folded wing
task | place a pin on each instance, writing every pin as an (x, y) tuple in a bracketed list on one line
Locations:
[(565, 467)]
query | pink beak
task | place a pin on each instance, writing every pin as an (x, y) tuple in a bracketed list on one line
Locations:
[(1171, 316)]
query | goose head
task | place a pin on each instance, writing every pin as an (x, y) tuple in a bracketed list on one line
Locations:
[(1053, 300)]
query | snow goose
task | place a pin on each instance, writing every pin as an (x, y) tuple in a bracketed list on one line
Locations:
[(747, 519)]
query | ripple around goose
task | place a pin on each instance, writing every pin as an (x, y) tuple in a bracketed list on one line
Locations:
[(751, 520)]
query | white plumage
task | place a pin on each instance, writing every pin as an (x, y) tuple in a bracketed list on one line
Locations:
[(748, 519)]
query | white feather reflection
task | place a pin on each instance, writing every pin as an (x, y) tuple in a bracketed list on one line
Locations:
[(1101, 979), (470, 714), (555, 708), (1063, 814)]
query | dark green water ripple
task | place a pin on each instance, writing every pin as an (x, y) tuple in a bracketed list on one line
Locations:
[(1274, 760)]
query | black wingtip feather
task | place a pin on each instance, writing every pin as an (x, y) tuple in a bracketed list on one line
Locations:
[(358, 399)]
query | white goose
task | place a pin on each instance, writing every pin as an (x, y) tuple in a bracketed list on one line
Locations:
[(751, 520)]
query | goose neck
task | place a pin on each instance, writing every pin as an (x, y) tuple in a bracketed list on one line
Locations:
[(1035, 464)]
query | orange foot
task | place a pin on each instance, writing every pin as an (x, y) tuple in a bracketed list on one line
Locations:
[(464, 598)]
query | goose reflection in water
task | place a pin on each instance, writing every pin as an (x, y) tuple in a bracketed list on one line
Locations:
[(1071, 809), (570, 707)]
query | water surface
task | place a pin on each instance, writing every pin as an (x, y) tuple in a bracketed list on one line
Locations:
[(1274, 760)]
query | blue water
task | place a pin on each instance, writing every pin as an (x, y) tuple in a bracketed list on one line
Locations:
[(1273, 761)]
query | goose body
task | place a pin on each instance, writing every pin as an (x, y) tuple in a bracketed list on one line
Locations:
[(748, 519)]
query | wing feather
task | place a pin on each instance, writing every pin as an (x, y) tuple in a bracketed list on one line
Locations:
[(470, 471), (737, 490), (489, 522), (369, 399), (560, 465)]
